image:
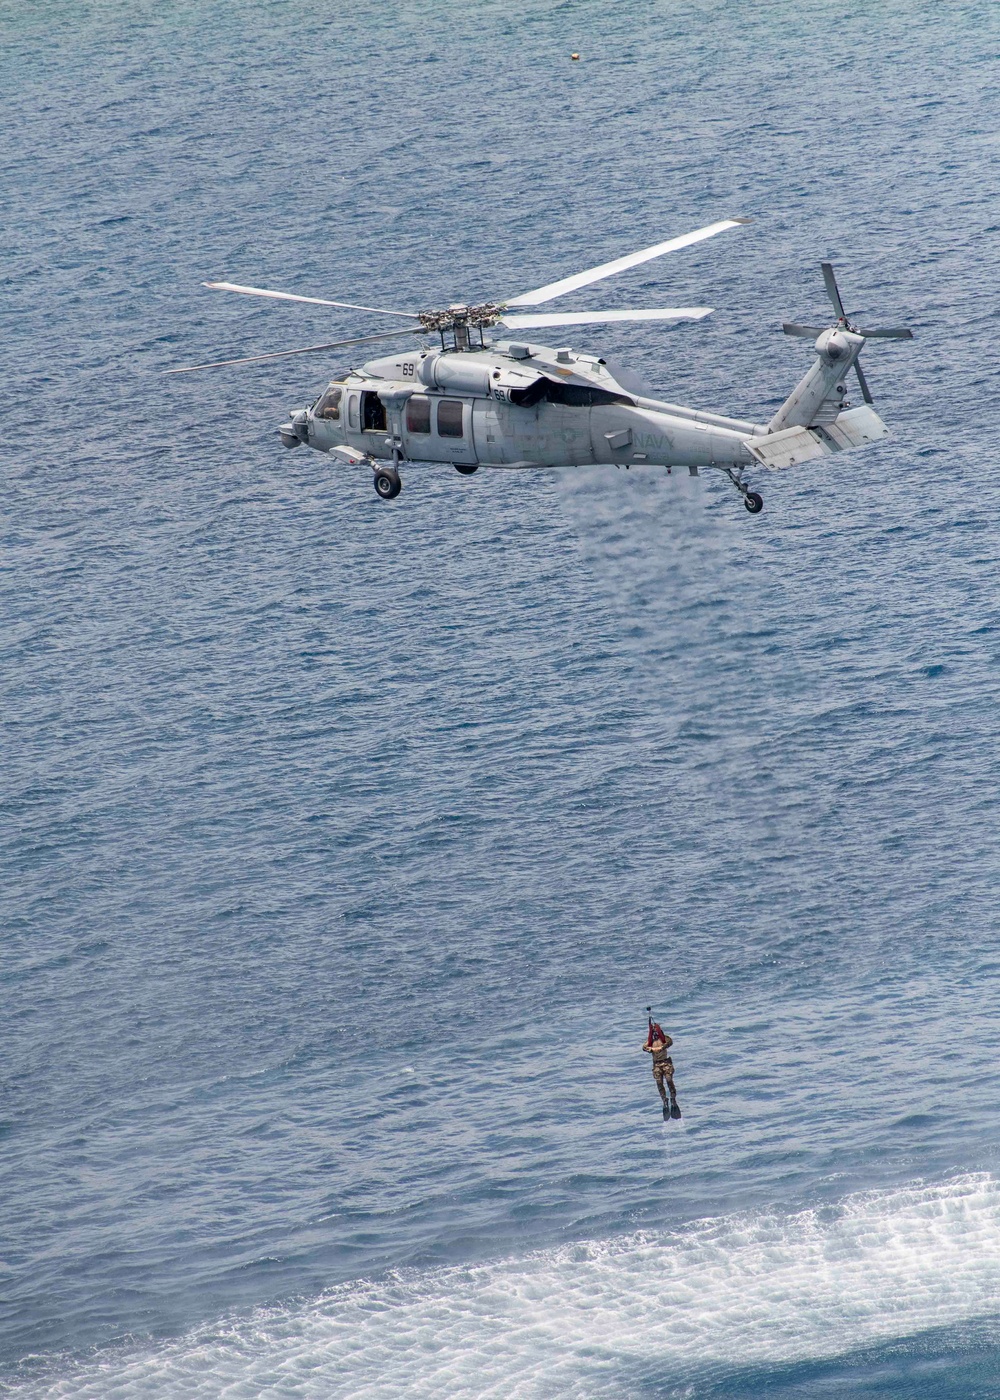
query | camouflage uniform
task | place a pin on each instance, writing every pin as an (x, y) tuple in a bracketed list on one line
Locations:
[(663, 1069)]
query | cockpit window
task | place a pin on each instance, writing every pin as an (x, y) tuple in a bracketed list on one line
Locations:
[(450, 418), (329, 404), (418, 414)]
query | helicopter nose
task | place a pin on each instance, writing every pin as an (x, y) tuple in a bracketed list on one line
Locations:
[(295, 431)]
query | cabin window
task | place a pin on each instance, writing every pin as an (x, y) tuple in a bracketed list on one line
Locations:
[(329, 404), (372, 413), (418, 414), (352, 411), (450, 418)]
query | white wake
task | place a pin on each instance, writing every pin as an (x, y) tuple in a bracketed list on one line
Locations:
[(586, 1320)]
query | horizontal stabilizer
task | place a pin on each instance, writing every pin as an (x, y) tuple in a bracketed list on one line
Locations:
[(857, 427)]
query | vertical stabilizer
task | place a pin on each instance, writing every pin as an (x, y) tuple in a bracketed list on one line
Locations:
[(819, 396)]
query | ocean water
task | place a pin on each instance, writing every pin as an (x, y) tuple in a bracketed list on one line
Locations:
[(344, 843)]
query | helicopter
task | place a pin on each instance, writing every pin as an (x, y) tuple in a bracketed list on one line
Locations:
[(475, 401)]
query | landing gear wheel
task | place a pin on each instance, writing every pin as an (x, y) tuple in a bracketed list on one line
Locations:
[(466, 468), (753, 502), (387, 483)]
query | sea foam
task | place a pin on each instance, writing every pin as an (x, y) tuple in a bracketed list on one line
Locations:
[(594, 1319)]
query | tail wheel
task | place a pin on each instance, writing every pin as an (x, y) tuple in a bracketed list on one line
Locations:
[(387, 483), (466, 468), (753, 502)]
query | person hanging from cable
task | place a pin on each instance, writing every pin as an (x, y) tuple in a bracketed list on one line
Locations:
[(658, 1045)]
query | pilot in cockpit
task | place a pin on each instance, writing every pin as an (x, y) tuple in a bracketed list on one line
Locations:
[(329, 404)]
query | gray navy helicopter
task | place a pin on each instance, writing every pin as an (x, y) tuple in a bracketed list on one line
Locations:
[(477, 402)]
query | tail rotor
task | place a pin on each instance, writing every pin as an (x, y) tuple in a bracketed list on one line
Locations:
[(846, 322)]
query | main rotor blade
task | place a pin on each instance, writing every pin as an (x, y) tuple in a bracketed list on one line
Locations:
[(866, 393), (832, 290), (594, 318), (807, 332), (595, 274), (888, 333), (313, 301), (305, 350)]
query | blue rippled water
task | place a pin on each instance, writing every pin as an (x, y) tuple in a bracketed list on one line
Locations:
[(344, 843)]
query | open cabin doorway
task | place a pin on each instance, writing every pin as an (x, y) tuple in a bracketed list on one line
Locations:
[(372, 413)]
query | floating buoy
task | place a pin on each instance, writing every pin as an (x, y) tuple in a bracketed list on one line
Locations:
[(574, 56)]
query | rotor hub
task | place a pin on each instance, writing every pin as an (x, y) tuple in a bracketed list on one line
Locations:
[(486, 314)]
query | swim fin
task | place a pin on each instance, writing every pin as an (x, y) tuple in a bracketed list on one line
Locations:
[(675, 1111)]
